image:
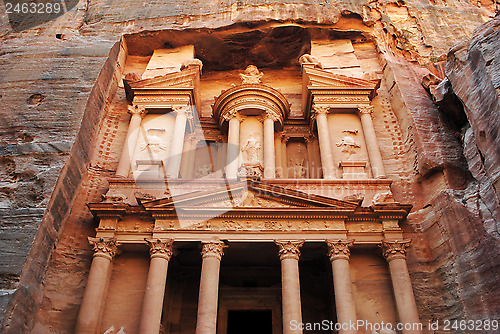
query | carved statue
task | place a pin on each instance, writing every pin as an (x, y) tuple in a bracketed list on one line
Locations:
[(251, 151), (252, 75), (297, 167), (154, 143), (185, 64), (348, 144), (309, 59), (204, 170)]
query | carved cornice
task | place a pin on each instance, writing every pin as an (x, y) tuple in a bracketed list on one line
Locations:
[(213, 249), (160, 248), (103, 247), (289, 249), (339, 249), (396, 249)]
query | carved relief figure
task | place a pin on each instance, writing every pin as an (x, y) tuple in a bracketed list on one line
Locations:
[(203, 170), (297, 168), (252, 75), (348, 143), (251, 151), (154, 143)]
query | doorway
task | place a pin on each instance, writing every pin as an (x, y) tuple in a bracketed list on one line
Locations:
[(249, 322)]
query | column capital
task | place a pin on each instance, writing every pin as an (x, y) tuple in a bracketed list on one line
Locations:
[(161, 248), (285, 138), (271, 115), (365, 109), (213, 249), (289, 248), (103, 247), (181, 109), (395, 249), (339, 249), (232, 114), (137, 110), (318, 110)]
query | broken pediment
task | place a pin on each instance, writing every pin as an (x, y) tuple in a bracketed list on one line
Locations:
[(337, 91), (164, 91)]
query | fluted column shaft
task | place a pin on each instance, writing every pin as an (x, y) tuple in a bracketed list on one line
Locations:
[(152, 307), (130, 140), (278, 152), (395, 254), (176, 147), (269, 157), (372, 147), (339, 253), (206, 321), (289, 252), (233, 148), (93, 297), (325, 146)]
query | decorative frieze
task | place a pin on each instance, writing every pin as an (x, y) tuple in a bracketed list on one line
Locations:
[(213, 249), (395, 249), (339, 249), (103, 247), (289, 248), (160, 248)]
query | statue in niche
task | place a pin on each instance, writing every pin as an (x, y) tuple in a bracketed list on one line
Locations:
[(252, 75), (203, 170), (154, 143), (297, 168), (348, 143), (251, 151)]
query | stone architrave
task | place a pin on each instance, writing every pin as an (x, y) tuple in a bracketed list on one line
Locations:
[(125, 162), (160, 252), (395, 253), (93, 297), (206, 322), (289, 252), (338, 252), (372, 147)]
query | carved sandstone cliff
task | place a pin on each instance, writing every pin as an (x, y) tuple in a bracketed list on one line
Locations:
[(58, 79)]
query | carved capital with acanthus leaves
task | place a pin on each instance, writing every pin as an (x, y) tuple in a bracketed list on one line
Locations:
[(368, 109), (213, 249), (137, 110), (395, 249), (103, 247), (319, 110), (339, 249), (289, 249), (161, 248), (181, 109)]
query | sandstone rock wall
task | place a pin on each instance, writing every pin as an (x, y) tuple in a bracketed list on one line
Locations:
[(52, 115)]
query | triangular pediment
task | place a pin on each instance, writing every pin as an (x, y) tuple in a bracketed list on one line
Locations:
[(322, 78), (250, 195)]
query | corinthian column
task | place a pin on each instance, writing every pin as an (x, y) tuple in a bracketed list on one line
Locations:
[(134, 125), (395, 254), (289, 252), (233, 147), (160, 252), (176, 147), (338, 251), (93, 297), (206, 321), (269, 157), (376, 163), (325, 146)]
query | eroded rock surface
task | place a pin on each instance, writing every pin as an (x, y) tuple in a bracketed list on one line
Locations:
[(58, 81)]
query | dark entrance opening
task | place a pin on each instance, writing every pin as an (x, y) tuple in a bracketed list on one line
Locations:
[(249, 322)]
